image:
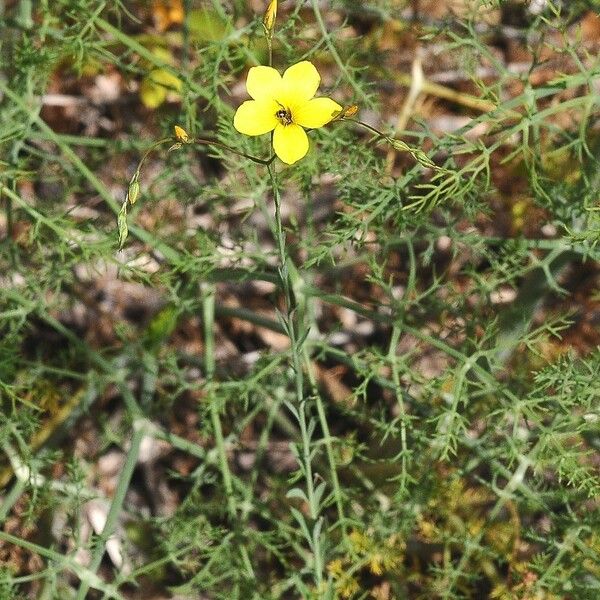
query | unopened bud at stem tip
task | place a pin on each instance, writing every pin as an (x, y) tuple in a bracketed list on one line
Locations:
[(351, 110), (181, 134), (270, 16)]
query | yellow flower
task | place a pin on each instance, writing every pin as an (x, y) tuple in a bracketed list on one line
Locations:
[(284, 105)]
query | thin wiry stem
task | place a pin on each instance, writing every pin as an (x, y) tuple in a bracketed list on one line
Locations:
[(256, 159), (291, 318), (208, 314), (116, 506), (334, 52)]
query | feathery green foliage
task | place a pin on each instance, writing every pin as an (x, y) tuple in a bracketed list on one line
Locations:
[(371, 375)]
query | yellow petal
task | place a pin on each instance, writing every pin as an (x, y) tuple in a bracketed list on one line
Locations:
[(290, 143), (301, 81), (262, 82), (316, 112), (255, 118)]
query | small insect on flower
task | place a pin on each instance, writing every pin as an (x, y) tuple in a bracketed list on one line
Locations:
[(285, 105)]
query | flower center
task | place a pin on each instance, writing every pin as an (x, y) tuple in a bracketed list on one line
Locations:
[(284, 116)]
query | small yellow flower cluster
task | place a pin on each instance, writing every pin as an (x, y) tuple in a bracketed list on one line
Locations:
[(378, 557)]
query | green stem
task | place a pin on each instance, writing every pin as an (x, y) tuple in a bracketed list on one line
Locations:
[(10, 228), (218, 6), (290, 317), (327, 439), (395, 338), (149, 56), (116, 505), (62, 562), (256, 159), (379, 134), (334, 52), (185, 55), (208, 313), (270, 48), (10, 499), (309, 366), (32, 212)]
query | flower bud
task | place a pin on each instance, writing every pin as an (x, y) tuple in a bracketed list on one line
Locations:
[(350, 111), (181, 134), (270, 16), (134, 189)]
